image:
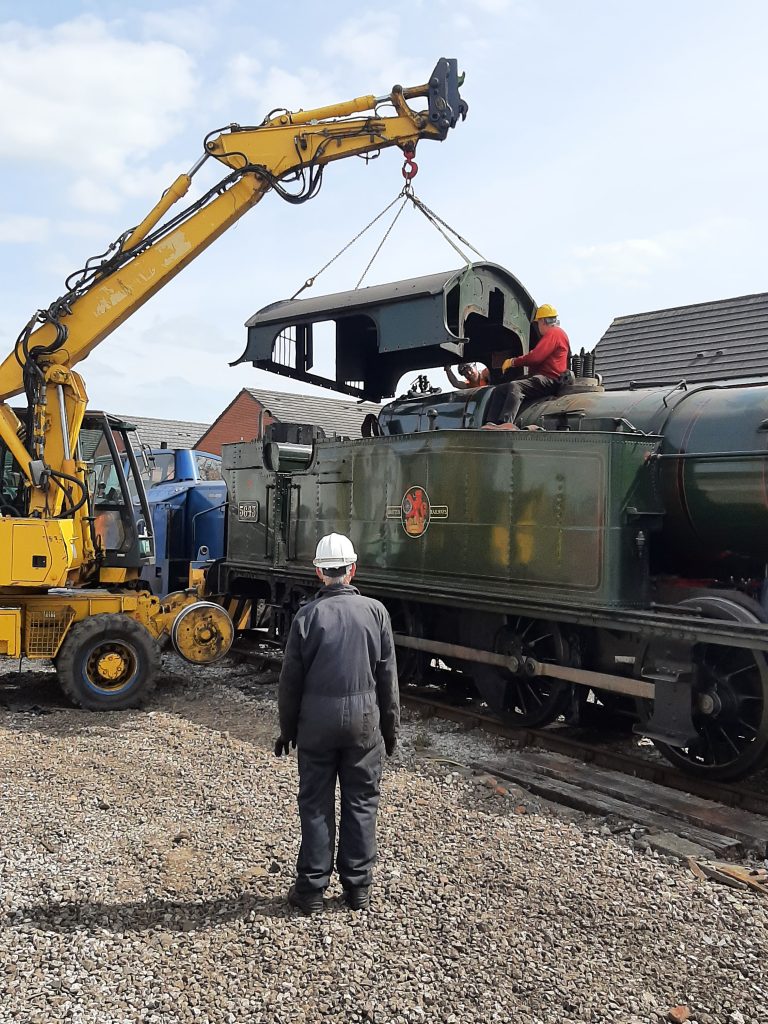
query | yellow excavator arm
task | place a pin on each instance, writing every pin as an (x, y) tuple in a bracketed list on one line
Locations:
[(285, 146)]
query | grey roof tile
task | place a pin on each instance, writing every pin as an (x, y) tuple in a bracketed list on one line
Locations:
[(334, 415), (722, 340), (175, 433)]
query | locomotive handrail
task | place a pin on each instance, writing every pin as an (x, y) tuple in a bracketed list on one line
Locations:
[(710, 455)]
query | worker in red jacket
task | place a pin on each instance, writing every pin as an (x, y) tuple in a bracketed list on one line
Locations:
[(546, 362)]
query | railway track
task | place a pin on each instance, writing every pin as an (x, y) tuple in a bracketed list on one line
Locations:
[(560, 739)]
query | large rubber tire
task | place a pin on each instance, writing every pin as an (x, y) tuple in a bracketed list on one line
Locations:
[(99, 637)]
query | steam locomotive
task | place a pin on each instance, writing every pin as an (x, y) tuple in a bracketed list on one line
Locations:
[(616, 554)]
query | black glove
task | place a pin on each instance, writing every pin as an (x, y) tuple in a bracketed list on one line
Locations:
[(389, 746), (281, 746)]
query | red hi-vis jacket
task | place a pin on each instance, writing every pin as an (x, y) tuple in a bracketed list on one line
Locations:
[(550, 357)]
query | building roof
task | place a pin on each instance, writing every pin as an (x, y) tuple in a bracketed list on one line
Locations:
[(334, 415), (174, 433), (708, 341)]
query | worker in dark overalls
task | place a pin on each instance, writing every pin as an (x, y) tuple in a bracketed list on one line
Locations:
[(338, 701)]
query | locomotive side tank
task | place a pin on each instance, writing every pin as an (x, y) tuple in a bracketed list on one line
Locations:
[(429, 513), (615, 556), (710, 468)]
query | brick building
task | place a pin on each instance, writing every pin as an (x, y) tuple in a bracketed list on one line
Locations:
[(253, 409)]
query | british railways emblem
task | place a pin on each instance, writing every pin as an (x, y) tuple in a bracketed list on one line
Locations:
[(416, 511)]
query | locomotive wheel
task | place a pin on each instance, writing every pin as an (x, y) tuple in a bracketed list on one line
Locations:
[(730, 703), (519, 700), (411, 664)]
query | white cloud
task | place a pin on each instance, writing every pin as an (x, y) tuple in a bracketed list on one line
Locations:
[(81, 96), (16, 228), (628, 258), (94, 195), (494, 6), (473, 19), (631, 261), (244, 75), (300, 90), (192, 28), (266, 88), (83, 229), (373, 44)]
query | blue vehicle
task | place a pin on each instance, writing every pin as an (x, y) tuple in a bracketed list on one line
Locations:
[(187, 500)]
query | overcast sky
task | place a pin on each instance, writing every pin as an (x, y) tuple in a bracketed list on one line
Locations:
[(614, 159)]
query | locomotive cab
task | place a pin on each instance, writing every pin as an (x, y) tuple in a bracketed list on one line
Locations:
[(382, 333)]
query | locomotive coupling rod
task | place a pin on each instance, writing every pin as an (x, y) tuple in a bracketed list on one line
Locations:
[(417, 643), (595, 680), (531, 667)]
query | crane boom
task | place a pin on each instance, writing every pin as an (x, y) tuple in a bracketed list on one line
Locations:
[(259, 158), (45, 479)]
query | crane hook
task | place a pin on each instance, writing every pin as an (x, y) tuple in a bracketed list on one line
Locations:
[(410, 167)]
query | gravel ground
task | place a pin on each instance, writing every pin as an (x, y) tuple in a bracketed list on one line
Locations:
[(145, 857)]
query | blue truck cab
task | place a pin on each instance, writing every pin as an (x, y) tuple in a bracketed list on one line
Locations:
[(187, 499)]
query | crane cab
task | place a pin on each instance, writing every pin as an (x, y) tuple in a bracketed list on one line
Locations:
[(102, 536)]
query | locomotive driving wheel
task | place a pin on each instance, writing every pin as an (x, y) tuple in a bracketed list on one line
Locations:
[(520, 700), (405, 618), (730, 703)]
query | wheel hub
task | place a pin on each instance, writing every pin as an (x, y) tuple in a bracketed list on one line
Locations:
[(511, 691), (708, 703), (111, 666)]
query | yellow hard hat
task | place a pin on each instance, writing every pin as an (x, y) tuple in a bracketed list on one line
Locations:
[(545, 312)]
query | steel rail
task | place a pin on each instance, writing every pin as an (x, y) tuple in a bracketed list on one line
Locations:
[(557, 740)]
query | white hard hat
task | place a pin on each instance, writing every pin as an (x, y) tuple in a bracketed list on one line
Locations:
[(333, 551)]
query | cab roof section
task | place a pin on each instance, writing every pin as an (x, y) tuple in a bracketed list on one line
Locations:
[(387, 330), (96, 417)]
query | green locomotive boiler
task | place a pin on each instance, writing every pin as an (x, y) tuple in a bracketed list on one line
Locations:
[(617, 554)]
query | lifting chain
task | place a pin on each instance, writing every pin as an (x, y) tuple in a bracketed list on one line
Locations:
[(410, 170)]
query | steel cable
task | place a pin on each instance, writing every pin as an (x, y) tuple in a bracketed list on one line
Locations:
[(311, 280)]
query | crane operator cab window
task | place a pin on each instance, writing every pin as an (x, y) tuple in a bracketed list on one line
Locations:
[(105, 488), (119, 522), (13, 493)]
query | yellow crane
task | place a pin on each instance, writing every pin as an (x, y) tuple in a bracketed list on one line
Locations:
[(72, 544)]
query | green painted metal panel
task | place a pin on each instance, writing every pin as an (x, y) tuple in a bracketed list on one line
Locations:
[(541, 514), (712, 469)]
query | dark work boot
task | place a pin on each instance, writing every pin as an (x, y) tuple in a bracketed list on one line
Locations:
[(306, 902), (358, 897)]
